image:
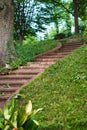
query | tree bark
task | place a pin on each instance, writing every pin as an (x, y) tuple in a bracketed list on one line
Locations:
[(76, 15), (6, 31)]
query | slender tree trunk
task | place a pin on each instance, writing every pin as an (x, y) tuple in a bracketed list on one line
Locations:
[(76, 15), (6, 31)]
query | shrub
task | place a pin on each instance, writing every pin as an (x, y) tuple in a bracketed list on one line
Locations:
[(21, 119)]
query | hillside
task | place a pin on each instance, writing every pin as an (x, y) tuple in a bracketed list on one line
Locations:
[(62, 93)]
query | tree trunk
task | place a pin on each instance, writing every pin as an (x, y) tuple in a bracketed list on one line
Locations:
[(6, 31), (76, 15)]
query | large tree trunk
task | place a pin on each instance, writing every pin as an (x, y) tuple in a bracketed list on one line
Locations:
[(6, 31), (76, 15)]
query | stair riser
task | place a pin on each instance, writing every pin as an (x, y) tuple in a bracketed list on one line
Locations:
[(2, 94)]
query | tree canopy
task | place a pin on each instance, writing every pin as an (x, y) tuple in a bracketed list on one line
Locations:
[(32, 16)]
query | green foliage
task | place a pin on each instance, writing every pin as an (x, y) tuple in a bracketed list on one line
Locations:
[(30, 40), (51, 34), (62, 91), (85, 34), (18, 119), (30, 48), (29, 18)]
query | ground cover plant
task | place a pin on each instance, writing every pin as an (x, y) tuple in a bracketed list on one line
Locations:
[(61, 90), (13, 118)]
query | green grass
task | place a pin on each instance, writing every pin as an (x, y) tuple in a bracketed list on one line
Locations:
[(61, 90)]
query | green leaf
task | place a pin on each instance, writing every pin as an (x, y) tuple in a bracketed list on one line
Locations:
[(7, 127), (9, 123), (14, 119), (36, 111), (1, 112), (36, 122), (22, 117), (6, 112)]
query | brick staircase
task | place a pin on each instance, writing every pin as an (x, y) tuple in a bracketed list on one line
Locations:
[(16, 79)]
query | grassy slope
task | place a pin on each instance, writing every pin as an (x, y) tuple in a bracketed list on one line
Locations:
[(62, 93)]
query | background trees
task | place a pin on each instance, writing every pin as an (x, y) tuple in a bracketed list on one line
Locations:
[(32, 16), (29, 18), (70, 9)]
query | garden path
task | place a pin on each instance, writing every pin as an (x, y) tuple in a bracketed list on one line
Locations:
[(12, 82)]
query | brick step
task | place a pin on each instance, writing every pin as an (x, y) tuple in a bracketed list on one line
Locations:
[(11, 81), (33, 67), (47, 59), (37, 63), (68, 48), (56, 55), (17, 77), (4, 98), (24, 71), (9, 89), (51, 56), (64, 51), (45, 65), (60, 54), (72, 44), (7, 84), (9, 93)]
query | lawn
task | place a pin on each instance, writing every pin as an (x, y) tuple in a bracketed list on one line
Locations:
[(61, 90)]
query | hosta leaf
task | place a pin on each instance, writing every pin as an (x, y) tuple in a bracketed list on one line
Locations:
[(7, 127), (22, 117), (9, 123), (36, 122), (36, 111), (29, 108), (12, 107), (6, 112), (14, 119)]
